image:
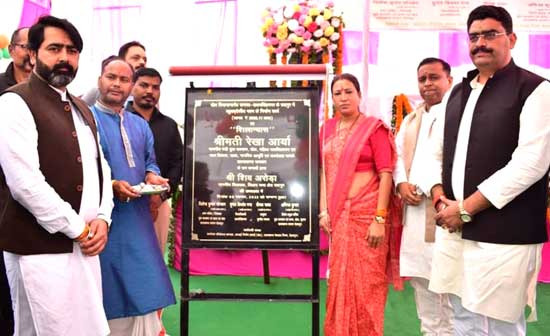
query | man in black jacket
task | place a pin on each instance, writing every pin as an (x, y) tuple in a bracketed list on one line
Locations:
[(168, 144), (491, 195), (17, 71), (20, 68)]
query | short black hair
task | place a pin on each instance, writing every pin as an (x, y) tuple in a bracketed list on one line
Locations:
[(126, 46), (349, 77), (431, 60), (492, 12), (36, 32), (15, 35), (147, 72), (111, 59)]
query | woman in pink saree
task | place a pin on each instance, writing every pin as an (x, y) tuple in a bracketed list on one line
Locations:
[(359, 212)]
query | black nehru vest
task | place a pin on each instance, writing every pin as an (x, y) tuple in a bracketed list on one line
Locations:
[(493, 138)]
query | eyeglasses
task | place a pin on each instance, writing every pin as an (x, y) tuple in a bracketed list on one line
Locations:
[(21, 45), (488, 36)]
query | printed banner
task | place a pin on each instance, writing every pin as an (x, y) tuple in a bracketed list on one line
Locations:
[(453, 14)]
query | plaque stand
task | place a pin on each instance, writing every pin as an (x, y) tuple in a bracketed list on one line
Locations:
[(314, 72)]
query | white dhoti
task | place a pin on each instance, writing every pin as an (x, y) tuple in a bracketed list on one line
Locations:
[(56, 294), (145, 325), (434, 310), (494, 280)]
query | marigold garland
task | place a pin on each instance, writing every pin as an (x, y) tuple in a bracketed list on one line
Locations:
[(339, 52), (284, 61), (400, 108), (305, 60), (272, 61)]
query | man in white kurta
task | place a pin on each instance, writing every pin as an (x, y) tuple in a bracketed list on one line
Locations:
[(412, 141), (59, 293), (490, 282)]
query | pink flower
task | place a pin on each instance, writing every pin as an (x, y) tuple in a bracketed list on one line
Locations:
[(312, 27), (317, 46), (274, 41), (308, 43), (324, 25), (300, 31), (307, 35), (305, 49)]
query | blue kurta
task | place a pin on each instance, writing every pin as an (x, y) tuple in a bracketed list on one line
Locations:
[(134, 275)]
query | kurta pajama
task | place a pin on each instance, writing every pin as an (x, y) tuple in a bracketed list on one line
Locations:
[(135, 278)]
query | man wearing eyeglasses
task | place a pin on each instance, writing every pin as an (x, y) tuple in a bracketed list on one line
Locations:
[(17, 71), (490, 193), (20, 68)]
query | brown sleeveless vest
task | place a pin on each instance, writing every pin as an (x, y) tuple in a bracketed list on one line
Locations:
[(60, 163)]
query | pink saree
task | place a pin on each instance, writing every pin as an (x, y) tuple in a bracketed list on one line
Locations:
[(359, 274)]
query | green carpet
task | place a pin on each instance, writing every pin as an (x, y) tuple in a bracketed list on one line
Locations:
[(216, 318)]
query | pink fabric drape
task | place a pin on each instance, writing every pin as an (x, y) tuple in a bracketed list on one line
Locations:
[(32, 10), (539, 45), (544, 274), (353, 47), (453, 48)]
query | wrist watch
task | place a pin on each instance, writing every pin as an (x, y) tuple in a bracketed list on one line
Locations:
[(465, 216)]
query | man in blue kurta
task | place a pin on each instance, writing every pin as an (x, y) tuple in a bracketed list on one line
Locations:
[(135, 279)]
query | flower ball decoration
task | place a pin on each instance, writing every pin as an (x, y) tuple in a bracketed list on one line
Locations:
[(306, 31)]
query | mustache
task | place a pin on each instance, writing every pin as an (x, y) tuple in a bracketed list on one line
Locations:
[(481, 49), (63, 65)]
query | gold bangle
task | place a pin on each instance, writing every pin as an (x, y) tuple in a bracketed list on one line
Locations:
[(84, 233), (381, 212)]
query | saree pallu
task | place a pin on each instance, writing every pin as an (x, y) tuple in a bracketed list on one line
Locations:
[(359, 274)]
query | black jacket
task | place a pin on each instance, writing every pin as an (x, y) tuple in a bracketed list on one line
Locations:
[(493, 138), (168, 146), (7, 79)]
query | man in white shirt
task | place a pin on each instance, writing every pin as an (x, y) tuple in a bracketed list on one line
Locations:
[(434, 310), (490, 192), (55, 192)]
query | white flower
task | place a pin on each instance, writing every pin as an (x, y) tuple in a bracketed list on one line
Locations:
[(278, 17), (335, 22), (307, 43), (332, 47), (334, 37), (319, 19), (318, 33), (292, 37), (293, 24), (317, 45), (288, 12)]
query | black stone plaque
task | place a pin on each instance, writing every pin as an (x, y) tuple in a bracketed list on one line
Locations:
[(251, 171)]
